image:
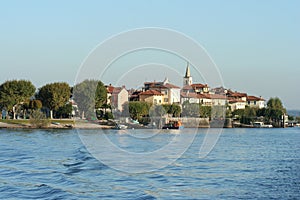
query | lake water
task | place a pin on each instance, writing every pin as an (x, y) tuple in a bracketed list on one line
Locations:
[(245, 164)]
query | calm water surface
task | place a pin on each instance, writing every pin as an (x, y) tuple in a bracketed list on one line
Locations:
[(245, 164)]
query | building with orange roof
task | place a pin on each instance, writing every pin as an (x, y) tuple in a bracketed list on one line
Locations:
[(236, 104), (171, 93), (151, 96), (255, 102), (117, 97)]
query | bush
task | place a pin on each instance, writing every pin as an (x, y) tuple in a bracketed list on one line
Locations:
[(108, 115), (38, 119)]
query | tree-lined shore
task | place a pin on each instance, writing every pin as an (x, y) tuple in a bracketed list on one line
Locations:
[(20, 99)]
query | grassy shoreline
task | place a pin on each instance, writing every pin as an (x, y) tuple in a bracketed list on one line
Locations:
[(53, 124)]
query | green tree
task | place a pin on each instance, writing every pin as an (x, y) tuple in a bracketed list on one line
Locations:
[(35, 104), (205, 111), (15, 92), (172, 109), (275, 110), (136, 109), (100, 96), (247, 115), (262, 112), (88, 95), (64, 111), (54, 95), (276, 104)]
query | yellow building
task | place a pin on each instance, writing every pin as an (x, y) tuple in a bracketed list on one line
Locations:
[(151, 96)]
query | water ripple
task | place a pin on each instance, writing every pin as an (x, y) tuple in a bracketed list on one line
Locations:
[(53, 164)]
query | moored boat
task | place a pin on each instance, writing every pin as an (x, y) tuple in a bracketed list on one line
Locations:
[(120, 127), (261, 125), (173, 125)]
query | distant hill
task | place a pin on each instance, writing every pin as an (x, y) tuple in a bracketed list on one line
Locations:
[(295, 113)]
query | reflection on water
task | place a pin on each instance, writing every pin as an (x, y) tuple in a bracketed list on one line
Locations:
[(245, 164)]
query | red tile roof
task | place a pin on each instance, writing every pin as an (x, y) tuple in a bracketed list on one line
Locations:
[(254, 98), (168, 85), (199, 85), (215, 96), (236, 101), (236, 94), (110, 89), (117, 90), (160, 85), (203, 96)]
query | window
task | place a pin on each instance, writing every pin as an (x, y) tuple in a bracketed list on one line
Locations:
[(254, 102), (159, 101), (166, 99)]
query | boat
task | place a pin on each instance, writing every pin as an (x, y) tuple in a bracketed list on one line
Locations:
[(261, 125), (120, 127), (174, 124)]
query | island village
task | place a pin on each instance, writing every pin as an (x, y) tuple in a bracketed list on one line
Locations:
[(158, 104), (199, 105)]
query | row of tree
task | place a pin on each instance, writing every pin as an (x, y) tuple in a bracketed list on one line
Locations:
[(273, 113), (20, 97)]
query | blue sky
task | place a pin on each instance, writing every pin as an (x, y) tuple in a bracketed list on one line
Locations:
[(255, 44)]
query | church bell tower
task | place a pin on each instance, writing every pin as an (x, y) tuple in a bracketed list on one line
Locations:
[(187, 79)]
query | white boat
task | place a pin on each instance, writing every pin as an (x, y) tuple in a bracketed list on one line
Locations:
[(261, 125), (121, 126)]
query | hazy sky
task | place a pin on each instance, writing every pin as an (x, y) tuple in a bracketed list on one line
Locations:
[(255, 44)]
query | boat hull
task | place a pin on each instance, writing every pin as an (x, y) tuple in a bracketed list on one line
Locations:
[(172, 127)]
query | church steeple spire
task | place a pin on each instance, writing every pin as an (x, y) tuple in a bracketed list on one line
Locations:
[(187, 79), (187, 72)]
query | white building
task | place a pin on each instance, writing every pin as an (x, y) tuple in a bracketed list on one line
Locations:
[(171, 93), (119, 96), (255, 102), (236, 104)]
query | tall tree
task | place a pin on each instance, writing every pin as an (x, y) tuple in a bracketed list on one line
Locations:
[(172, 109), (54, 95), (100, 95), (275, 110), (205, 111), (15, 92), (35, 104), (65, 111), (136, 109), (88, 95), (276, 104)]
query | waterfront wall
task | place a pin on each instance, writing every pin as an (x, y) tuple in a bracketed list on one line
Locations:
[(192, 122)]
